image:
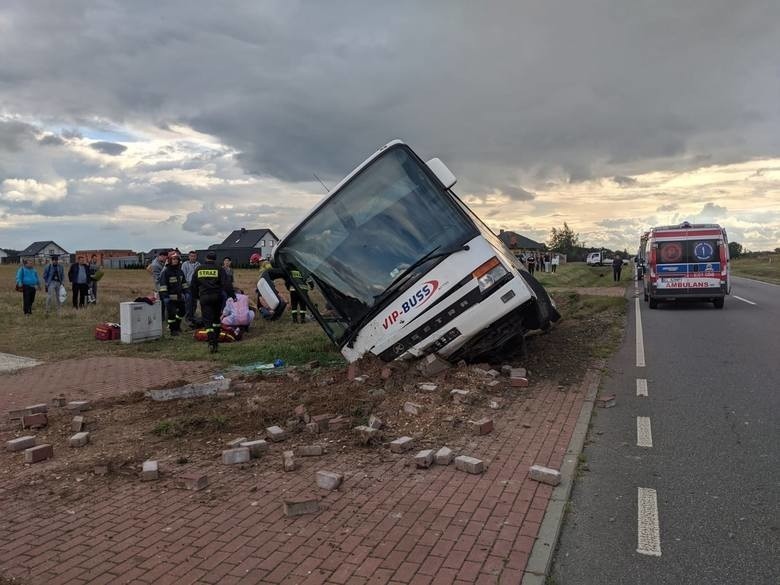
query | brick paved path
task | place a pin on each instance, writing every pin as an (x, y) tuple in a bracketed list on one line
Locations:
[(92, 378), (389, 522)]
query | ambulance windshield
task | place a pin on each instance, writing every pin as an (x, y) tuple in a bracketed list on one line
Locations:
[(363, 239)]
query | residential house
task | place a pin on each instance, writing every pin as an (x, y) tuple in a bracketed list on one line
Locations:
[(519, 244), (111, 258), (40, 252), (241, 244)]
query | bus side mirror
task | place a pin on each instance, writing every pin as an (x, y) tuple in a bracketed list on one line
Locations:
[(442, 173)]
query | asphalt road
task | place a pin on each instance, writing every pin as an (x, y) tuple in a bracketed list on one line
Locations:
[(713, 382)]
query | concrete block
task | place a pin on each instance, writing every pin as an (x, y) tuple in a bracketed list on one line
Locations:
[(191, 480), (518, 373), (235, 456), (78, 424), (310, 451), (444, 456), (459, 396), (237, 442), (78, 405), (412, 408), (150, 471), (340, 423), (469, 464), (366, 435), (482, 426), (21, 443), (59, 401), (607, 401), (312, 428), (424, 459), (300, 506), (276, 434), (79, 439), (288, 461), (375, 422), (35, 421), (401, 445), (329, 480), (427, 387), (545, 475), (39, 453), (256, 448), (431, 365), (493, 373)]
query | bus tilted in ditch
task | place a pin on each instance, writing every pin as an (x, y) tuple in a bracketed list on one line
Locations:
[(393, 264)]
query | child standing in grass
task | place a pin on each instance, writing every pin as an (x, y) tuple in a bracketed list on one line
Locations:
[(27, 281)]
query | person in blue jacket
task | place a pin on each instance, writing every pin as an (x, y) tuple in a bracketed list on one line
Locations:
[(28, 281)]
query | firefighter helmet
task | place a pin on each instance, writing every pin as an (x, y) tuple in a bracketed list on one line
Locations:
[(255, 258)]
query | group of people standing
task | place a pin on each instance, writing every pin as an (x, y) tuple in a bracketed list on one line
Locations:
[(543, 262), (83, 278)]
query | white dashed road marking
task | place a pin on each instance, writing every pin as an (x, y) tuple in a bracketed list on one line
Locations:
[(743, 300), (648, 532), (640, 343), (644, 435), (641, 387)]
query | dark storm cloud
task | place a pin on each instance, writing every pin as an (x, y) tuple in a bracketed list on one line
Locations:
[(300, 88), (624, 181), (110, 148), (213, 220)]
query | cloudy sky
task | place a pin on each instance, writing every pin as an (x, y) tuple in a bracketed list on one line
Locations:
[(143, 124)]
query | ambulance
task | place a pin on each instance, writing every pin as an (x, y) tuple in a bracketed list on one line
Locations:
[(686, 262), (399, 267)]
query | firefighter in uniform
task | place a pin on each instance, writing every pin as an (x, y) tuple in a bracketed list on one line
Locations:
[(173, 288), (297, 306), (208, 284)]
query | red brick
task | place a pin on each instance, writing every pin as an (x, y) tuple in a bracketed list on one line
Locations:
[(39, 453)]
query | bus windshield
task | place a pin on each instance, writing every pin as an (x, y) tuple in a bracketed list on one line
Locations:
[(363, 239)]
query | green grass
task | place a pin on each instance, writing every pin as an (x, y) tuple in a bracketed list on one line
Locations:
[(765, 267), (579, 274), (71, 334)]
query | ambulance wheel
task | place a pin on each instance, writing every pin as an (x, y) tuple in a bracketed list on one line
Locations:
[(718, 303), (653, 303)]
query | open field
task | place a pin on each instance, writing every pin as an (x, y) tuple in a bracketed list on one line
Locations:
[(580, 275), (765, 267)]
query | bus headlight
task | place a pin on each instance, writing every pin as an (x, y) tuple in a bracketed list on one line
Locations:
[(489, 273)]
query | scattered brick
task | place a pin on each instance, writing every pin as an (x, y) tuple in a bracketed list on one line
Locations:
[(78, 405), (545, 475), (444, 456), (150, 471), (300, 412), (401, 445), (412, 408), (21, 443), (424, 459), (310, 451), (39, 453), (432, 365), (288, 461), (256, 448), (300, 506), (329, 480), (79, 439), (459, 396), (493, 373), (276, 434), (360, 379), (293, 424), (518, 373), (469, 464), (237, 442), (339, 423), (493, 383), (322, 420), (427, 387), (352, 371), (59, 401), (366, 434), (496, 403), (375, 422), (312, 428), (34, 409), (78, 424), (235, 456), (482, 426), (191, 480), (518, 382), (35, 421), (607, 401)]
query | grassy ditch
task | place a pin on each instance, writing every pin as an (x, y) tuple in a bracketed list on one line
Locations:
[(579, 275), (765, 267)]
